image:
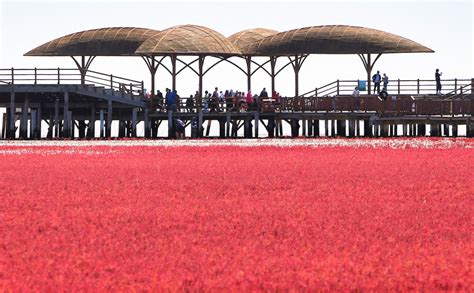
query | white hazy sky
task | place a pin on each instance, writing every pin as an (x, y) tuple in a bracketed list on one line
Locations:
[(444, 26)]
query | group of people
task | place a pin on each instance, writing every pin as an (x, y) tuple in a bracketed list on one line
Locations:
[(209, 102), (377, 79)]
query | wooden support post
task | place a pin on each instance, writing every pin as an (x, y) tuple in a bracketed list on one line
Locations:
[(271, 127), (121, 130), (455, 130), (352, 124), (49, 134), (326, 128), (333, 128), (310, 127), (222, 126), (91, 127), (435, 129), (66, 123), (154, 128), (227, 119), (39, 115), (469, 128), (4, 124), (341, 128), (147, 123), (134, 122), (257, 121), (208, 128), (303, 122), (24, 119), (71, 124), (108, 131), (404, 129), (170, 125), (82, 129), (280, 126), (316, 130), (384, 129), (421, 129), (367, 128), (446, 129), (101, 117), (33, 125), (11, 126), (57, 126), (295, 127), (200, 122)]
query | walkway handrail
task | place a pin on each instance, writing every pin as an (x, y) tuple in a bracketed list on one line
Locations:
[(461, 92), (395, 86), (394, 105), (69, 76)]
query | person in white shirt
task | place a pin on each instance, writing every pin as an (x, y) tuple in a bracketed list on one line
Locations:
[(356, 92)]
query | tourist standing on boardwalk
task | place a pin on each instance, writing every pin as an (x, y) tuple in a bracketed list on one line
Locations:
[(438, 81), (264, 93), (376, 79), (385, 82)]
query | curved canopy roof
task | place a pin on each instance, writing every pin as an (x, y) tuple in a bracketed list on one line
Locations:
[(188, 40), (245, 38), (199, 40), (112, 41), (334, 39)]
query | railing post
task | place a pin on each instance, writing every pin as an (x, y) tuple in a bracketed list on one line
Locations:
[(337, 87), (399, 86), (13, 76), (455, 85), (316, 92), (141, 90), (59, 76), (36, 76), (418, 86), (111, 81), (131, 89)]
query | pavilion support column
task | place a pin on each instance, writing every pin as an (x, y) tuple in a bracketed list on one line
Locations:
[(152, 65), (369, 66), (173, 71), (201, 74), (273, 60), (297, 62), (83, 67), (248, 61)]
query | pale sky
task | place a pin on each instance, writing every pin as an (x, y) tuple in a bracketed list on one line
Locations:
[(444, 26)]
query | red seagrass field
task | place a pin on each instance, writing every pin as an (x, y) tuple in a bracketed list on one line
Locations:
[(329, 215)]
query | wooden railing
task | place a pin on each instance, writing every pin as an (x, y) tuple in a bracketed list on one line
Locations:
[(69, 76), (396, 105), (397, 86)]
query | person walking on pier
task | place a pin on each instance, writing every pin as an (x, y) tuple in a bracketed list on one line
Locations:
[(385, 82), (438, 81), (376, 79)]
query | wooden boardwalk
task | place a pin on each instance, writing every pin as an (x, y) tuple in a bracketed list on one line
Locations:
[(70, 110)]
